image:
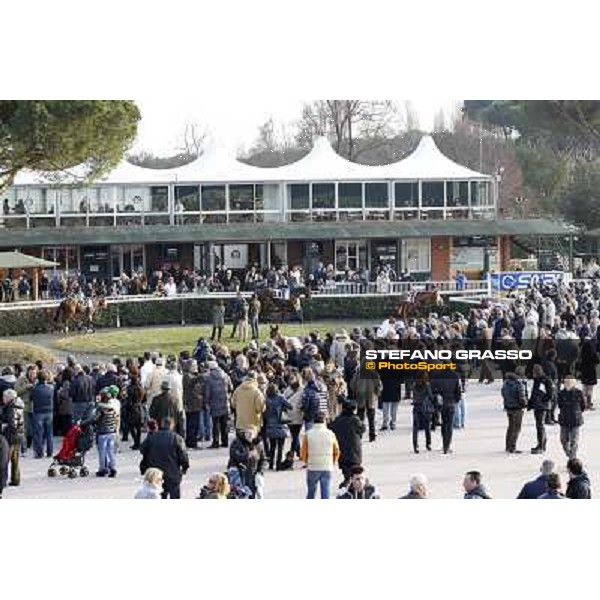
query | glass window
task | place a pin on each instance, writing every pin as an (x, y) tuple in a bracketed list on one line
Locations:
[(350, 255), (376, 195), (350, 195), (213, 198), (299, 196), (323, 195), (416, 255), (241, 197), (187, 198), (457, 193), (432, 193), (407, 194), (474, 193), (159, 199)]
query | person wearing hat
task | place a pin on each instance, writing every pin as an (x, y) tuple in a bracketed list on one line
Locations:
[(12, 427), (348, 429), (248, 404), (83, 394), (164, 404)]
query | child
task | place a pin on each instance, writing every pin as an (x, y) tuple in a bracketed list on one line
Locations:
[(151, 486)]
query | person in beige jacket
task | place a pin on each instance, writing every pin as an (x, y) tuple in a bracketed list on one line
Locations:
[(248, 404), (154, 380), (320, 451)]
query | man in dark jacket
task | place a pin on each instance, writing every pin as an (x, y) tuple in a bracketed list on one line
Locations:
[(554, 486), (193, 402), (165, 450), (474, 489), (314, 399), (571, 405), (217, 387), (359, 487), (579, 487), (12, 427), (445, 386), (532, 490), (164, 405), (3, 463), (82, 394), (348, 430), (42, 403), (514, 394), (417, 488), (109, 379)]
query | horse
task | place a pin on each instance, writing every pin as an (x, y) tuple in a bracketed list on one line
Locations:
[(420, 304), (276, 309), (78, 312)]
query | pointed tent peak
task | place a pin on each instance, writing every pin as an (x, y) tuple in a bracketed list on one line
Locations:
[(427, 161)]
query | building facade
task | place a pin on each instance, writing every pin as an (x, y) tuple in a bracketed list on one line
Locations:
[(425, 214)]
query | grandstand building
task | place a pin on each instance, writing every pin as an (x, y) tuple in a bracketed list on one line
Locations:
[(425, 214)]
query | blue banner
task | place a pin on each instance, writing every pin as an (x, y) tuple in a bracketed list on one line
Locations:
[(521, 280)]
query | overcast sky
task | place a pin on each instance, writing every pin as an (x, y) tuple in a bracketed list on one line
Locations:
[(231, 121)]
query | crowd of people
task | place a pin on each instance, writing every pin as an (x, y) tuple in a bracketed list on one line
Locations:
[(18, 284), (302, 400)]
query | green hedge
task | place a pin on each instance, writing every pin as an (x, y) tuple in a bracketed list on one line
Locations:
[(199, 310)]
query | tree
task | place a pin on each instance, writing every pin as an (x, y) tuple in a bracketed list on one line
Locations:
[(56, 135), (439, 121), (580, 198), (411, 117), (343, 122)]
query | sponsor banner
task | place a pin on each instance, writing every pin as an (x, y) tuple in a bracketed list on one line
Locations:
[(521, 280)]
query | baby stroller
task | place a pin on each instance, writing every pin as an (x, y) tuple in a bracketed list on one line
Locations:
[(71, 456)]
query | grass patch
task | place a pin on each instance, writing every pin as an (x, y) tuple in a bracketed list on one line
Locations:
[(19, 352), (172, 340)]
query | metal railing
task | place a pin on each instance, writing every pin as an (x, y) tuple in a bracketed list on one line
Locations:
[(340, 289)]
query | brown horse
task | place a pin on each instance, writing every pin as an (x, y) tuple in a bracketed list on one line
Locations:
[(276, 309), (420, 305), (78, 313)]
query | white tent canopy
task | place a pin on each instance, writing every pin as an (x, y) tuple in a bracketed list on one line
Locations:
[(427, 162), (322, 163)]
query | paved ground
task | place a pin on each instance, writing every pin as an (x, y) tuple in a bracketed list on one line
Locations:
[(390, 460)]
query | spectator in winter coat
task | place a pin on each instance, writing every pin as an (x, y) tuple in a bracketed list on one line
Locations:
[(108, 379), (359, 487), (540, 402), (579, 487), (165, 450), (275, 428), (571, 404), (315, 398), (83, 394), (218, 320), (293, 394), (446, 385), (7, 380), (417, 488), (554, 486), (42, 401), (514, 395), (151, 486), (164, 404), (175, 379), (588, 364), (366, 392), (474, 489), (154, 380), (193, 402), (348, 430), (248, 404), (320, 451), (12, 427), (107, 427), (339, 348), (532, 490), (4, 453), (217, 387), (423, 408), (247, 455)]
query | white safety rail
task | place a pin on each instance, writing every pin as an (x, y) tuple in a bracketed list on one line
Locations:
[(340, 290)]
